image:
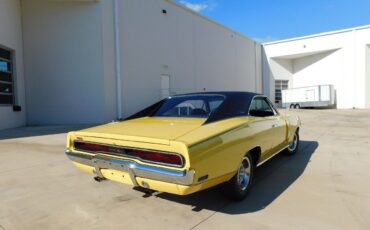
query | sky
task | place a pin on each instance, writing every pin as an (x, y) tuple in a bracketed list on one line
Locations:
[(269, 20)]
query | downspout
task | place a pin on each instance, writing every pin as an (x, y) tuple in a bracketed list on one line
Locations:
[(354, 69), (255, 68), (118, 59)]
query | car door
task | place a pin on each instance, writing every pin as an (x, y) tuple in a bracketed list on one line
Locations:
[(264, 124), (279, 128)]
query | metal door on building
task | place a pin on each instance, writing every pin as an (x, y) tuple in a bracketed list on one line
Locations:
[(165, 86)]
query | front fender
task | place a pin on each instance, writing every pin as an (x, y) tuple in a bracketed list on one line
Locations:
[(293, 123)]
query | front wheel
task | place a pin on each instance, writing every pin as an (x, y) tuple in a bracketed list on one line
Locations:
[(238, 187), (293, 145)]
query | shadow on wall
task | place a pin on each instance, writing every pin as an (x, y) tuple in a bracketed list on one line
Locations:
[(271, 180), (32, 131)]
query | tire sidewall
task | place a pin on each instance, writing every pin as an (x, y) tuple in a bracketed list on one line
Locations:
[(290, 152), (233, 188)]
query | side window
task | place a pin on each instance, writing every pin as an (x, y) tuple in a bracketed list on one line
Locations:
[(260, 108), (272, 106)]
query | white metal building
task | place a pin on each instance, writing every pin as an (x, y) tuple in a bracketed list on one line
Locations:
[(92, 61), (340, 58)]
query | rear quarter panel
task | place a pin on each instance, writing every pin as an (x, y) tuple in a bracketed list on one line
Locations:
[(217, 149)]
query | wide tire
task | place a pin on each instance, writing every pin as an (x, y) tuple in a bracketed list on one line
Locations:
[(238, 187), (293, 146)]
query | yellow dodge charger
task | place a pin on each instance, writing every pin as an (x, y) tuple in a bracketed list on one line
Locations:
[(188, 143)]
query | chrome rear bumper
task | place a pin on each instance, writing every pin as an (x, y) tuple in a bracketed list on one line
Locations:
[(133, 169)]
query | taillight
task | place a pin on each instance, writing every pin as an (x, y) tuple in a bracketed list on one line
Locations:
[(91, 147), (145, 155), (164, 158)]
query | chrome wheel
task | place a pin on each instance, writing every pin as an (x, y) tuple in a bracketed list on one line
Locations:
[(238, 187), (244, 174), (293, 145)]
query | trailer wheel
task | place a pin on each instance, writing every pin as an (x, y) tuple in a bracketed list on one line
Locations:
[(292, 106), (297, 106)]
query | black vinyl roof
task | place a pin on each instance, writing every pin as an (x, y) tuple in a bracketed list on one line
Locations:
[(236, 104), (230, 94)]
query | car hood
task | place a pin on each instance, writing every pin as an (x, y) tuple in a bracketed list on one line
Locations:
[(152, 129)]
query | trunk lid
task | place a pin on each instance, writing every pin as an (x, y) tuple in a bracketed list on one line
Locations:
[(149, 129)]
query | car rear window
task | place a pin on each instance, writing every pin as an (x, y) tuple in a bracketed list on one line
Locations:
[(196, 106)]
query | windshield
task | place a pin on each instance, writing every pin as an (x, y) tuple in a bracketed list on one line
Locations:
[(197, 106)]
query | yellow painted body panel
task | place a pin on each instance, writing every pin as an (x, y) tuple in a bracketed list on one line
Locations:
[(123, 177), (151, 130), (215, 149)]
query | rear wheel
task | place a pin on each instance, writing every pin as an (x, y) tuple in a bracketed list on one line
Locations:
[(293, 145), (291, 106), (238, 187), (297, 106)]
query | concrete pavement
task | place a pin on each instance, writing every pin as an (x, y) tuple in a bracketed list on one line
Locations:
[(325, 186)]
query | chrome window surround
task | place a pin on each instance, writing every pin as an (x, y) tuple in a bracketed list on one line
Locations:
[(129, 156), (134, 169)]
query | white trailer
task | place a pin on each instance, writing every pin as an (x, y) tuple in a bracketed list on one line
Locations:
[(313, 96)]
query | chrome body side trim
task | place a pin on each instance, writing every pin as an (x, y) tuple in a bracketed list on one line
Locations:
[(262, 162), (134, 169)]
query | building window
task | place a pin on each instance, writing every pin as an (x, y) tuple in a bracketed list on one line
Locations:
[(279, 86), (6, 77)]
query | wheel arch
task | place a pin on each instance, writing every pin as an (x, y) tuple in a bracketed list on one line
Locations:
[(255, 154)]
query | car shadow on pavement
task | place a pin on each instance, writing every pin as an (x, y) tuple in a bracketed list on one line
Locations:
[(271, 180)]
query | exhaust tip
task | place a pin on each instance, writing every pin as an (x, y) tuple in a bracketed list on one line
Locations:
[(98, 179)]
